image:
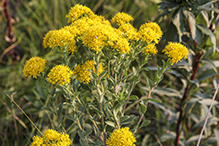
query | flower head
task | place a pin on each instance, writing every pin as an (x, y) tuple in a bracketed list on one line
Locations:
[(95, 37), (77, 12), (37, 141), (175, 52), (121, 18), (129, 31), (121, 45), (150, 49), (60, 38), (59, 74), (53, 137), (150, 32), (121, 137), (34, 67), (155, 27), (82, 72)]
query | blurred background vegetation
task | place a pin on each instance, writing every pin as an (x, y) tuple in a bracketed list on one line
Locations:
[(32, 20)]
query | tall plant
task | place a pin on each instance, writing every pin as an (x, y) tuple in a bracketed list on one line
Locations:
[(193, 23), (95, 79)]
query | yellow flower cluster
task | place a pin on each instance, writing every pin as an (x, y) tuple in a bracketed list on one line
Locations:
[(95, 37), (150, 49), (96, 33), (77, 12), (175, 52), (121, 137), (129, 31), (82, 72), (150, 32), (121, 18), (52, 137), (61, 38), (59, 74), (34, 67)]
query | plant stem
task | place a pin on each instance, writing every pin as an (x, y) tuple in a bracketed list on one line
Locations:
[(206, 119), (182, 103), (28, 118), (104, 134), (127, 99), (8, 19), (82, 131), (149, 94)]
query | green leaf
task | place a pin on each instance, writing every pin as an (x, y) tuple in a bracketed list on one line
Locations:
[(211, 121), (124, 118), (198, 37), (177, 19), (216, 131), (134, 71), (142, 109), (127, 119), (190, 105), (207, 6), (208, 32), (216, 22), (210, 63), (111, 80), (81, 135), (135, 79), (215, 83), (192, 23), (76, 94), (195, 81), (216, 63), (54, 92), (202, 96), (81, 120), (205, 16), (133, 97), (117, 108), (192, 139), (87, 132), (207, 53), (95, 109), (48, 109), (168, 136), (110, 123), (143, 69), (206, 75), (150, 84), (82, 142), (208, 102), (86, 87), (164, 91), (103, 74), (155, 100), (59, 109), (145, 123), (142, 63), (175, 73), (71, 118), (171, 5), (126, 86), (171, 33)]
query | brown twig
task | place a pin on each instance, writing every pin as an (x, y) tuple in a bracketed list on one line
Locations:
[(10, 34), (185, 95)]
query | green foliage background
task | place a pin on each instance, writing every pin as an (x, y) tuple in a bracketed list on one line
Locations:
[(37, 17)]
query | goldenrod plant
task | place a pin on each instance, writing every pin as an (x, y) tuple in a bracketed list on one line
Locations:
[(96, 76)]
